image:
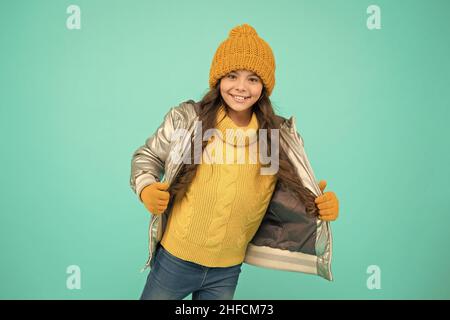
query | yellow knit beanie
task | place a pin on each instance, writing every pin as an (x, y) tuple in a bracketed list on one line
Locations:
[(244, 49)]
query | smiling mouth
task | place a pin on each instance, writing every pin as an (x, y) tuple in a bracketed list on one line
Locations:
[(239, 98)]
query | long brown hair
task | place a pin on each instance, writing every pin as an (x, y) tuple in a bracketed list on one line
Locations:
[(286, 176)]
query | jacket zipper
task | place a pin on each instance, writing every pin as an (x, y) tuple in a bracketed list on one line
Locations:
[(147, 264)]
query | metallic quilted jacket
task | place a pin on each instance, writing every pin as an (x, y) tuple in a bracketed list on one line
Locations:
[(287, 238)]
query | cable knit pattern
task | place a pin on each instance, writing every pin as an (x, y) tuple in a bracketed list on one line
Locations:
[(223, 207)]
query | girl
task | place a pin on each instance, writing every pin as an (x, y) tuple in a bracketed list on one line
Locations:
[(214, 212)]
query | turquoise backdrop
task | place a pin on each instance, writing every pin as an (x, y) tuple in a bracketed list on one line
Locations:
[(371, 105)]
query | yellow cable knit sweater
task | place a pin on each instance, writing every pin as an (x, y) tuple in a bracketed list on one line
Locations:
[(225, 203)]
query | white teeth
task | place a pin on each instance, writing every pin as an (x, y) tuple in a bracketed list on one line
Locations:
[(240, 98)]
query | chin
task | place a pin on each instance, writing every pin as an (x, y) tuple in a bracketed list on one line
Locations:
[(239, 107)]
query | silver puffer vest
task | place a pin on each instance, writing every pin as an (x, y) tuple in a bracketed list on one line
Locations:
[(287, 238)]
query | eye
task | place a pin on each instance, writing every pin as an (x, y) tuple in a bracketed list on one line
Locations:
[(231, 76), (255, 80)]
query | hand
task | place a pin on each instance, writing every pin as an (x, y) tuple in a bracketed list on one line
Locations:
[(155, 198), (328, 204)]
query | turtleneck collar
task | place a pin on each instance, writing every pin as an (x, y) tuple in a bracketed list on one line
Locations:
[(224, 122)]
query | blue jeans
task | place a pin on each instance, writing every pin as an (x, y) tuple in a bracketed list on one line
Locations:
[(172, 278)]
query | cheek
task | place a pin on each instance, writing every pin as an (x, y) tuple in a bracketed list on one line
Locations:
[(256, 92), (224, 85), (223, 93)]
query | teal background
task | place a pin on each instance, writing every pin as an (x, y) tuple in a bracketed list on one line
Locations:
[(371, 105)]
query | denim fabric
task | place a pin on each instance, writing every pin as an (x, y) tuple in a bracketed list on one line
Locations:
[(172, 278)]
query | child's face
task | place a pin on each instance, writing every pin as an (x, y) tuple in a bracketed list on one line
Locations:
[(240, 83)]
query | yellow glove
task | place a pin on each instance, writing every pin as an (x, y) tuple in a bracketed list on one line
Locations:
[(155, 198), (328, 204)]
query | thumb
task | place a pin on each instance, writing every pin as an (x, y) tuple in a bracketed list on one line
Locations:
[(322, 185)]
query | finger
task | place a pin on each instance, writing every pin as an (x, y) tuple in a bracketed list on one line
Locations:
[(323, 198), (162, 202), (162, 185), (154, 209), (322, 185), (161, 208), (327, 212), (163, 195), (326, 205), (329, 196)]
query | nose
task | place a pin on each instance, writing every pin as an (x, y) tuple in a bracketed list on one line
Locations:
[(240, 85)]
